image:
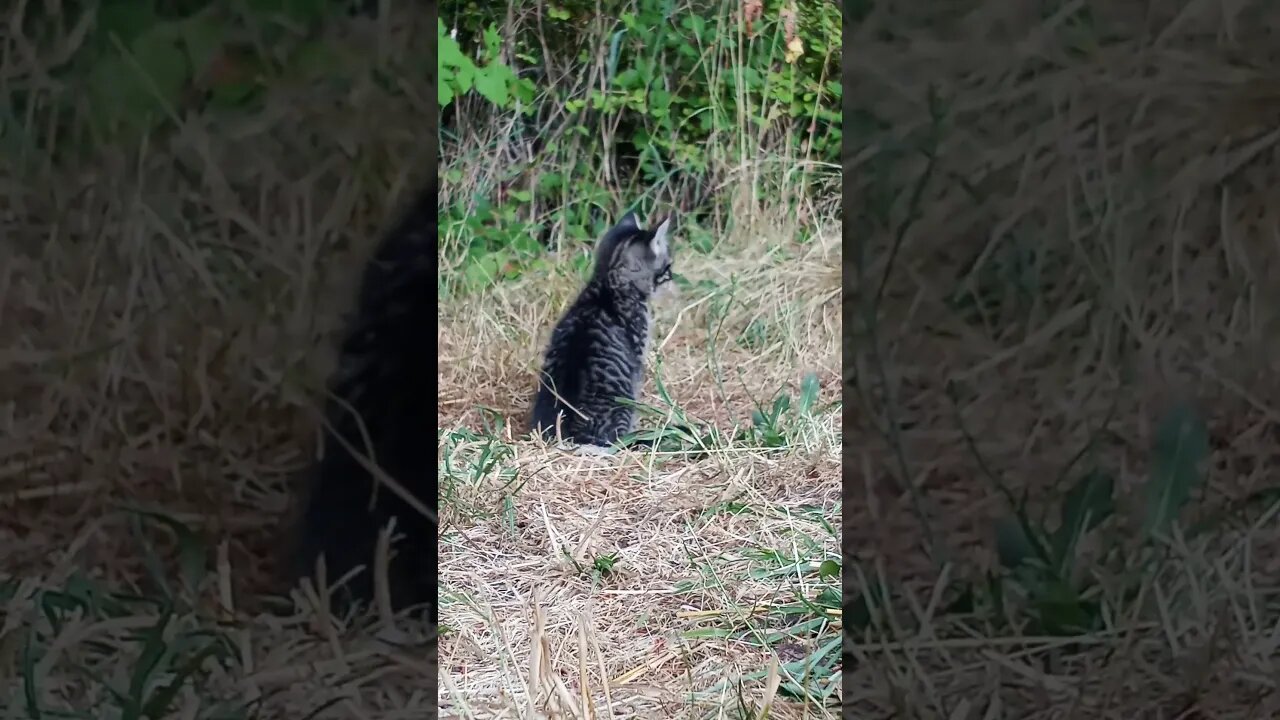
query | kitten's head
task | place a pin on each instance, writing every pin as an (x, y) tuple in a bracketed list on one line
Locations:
[(632, 259)]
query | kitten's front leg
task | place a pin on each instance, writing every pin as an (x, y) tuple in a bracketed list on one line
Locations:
[(622, 422)]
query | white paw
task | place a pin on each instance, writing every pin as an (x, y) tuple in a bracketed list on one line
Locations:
[(593, 450)]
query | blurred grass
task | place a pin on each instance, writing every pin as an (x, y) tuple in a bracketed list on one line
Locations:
[(1061, 356), (186, 194)]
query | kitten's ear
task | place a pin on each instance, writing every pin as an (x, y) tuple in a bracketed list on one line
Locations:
[(661, 241), (628, 221)]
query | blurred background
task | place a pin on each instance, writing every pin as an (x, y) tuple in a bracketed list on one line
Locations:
[(1060, 359), (187, 190)]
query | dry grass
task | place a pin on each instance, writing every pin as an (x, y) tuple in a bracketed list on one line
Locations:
[(705, 551), (166, 315), (1104, 189)]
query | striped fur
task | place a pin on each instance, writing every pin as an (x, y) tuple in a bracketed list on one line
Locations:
[(596, 353)]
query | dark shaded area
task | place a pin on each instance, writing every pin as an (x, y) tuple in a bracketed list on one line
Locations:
[(1059, 351), (379, 413)]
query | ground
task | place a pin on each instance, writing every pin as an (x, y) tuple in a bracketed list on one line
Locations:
[(1063, 403), (650, 584)]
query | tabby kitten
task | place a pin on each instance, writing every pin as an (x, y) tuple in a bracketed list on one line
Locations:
[(596, 353), (377, 421)]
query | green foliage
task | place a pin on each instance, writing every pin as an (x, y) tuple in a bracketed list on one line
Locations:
[(501, 242), (801, 628), (1182, 444), (494, 80), (773, 428), (1044, 565), (470, 458), (670, 429), (144, 64), (678, 76), (160, 646), (1086, 505), (652, 97), (1058, 594), (603, 564)]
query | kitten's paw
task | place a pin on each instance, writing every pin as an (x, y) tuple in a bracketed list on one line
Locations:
[(593, 450)]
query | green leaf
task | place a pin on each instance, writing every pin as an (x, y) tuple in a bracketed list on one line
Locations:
[(781, 405), (482, 271), (450, 55), (125, 19), (1181, 445), (1087, 504), (203, 35), (1061, 611), (492, 87), (134, 92), (696, 23), (154, 656), (550, 181), (164, 66), (524, 91), (492, 43), (809, 390), (829, 569), (232, 94), (1012, 544), (464, 77), (163, 698), (628, 79), (192, 552), (444, 93)]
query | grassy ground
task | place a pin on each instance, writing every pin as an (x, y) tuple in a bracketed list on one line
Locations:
[(651, 584), (696, 581), (166, 318), (1063, 499)]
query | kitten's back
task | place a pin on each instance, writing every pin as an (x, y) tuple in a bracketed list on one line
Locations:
[(381, 391), (596, 352)]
